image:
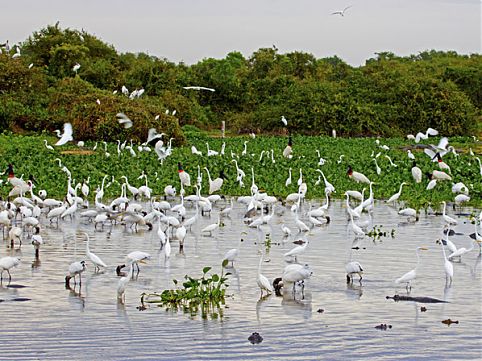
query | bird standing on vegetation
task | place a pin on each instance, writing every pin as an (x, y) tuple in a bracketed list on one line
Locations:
[(183, 176), (356, 176), (288, 150)]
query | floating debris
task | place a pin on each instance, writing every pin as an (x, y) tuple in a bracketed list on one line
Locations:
[(397, 298), (320, 310), (255, 338), (423, 309)]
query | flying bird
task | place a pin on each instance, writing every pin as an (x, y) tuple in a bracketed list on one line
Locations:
[(67, 135), (124, 119), (341, 12)]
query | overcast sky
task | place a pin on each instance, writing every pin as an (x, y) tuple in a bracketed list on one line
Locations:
[(190, 30)]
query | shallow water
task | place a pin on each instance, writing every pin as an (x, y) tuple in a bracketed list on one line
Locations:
[(59, 324)]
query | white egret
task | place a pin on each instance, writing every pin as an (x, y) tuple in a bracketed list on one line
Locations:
[(67, 135), (296, 251), (49, 147), (411, 275), (449, 220), (288, 180), (286, 231), (284, 121), (262, 281), (212, 227), (216, 184), (416, 173), (395, 197), (462, 250), (448, 266), (96, 260)]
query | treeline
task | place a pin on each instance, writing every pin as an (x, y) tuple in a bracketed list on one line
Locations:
[(388, 96)]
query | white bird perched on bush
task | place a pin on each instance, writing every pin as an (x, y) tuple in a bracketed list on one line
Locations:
[(76, 68)]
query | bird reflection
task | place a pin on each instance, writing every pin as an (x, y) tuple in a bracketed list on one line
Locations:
[(354, 291), (295, 307), (75, 295)]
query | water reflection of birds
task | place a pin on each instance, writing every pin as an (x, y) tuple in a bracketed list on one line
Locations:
[(354, 291), (295, 307), (76, 297)]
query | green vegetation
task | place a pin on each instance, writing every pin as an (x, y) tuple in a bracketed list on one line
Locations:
[(205, 294), (30, 156), (389, 96)]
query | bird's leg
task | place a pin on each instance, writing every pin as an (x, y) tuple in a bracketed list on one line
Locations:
[(80, 279), (360, 278), (9, 276)]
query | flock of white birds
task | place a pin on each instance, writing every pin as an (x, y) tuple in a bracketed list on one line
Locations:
[(24, 215)]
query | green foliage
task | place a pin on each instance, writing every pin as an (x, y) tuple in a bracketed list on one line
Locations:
[(388, 96), (30, 156), (205, 294)]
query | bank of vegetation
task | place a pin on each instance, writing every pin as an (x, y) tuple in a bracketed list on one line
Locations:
[(389, 96)]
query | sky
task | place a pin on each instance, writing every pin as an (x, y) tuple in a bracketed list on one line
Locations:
[(191, 30)]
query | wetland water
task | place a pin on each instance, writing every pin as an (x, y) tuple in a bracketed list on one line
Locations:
[(61, 324)]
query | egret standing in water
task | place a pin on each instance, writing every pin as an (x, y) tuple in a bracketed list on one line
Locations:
[(411, 275)]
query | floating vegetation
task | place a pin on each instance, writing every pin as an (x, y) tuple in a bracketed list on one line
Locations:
[(377, 232), (204, 295)]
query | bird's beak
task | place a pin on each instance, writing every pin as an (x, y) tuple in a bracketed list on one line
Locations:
[(424, 249), (142, 261)]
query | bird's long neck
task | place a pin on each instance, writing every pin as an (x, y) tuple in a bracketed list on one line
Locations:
[(209, 175), (443, 251), (418, 258), (260, 262)]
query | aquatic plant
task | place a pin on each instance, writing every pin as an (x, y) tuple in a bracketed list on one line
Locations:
[(204, 295)]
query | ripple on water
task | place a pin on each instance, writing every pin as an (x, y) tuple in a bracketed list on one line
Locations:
[(87, 323)]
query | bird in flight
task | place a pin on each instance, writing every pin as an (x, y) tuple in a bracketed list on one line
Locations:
[(341, 12), (198, 88)]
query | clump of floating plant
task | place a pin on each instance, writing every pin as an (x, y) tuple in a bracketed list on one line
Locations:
[(377, 232), (204, 295)]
